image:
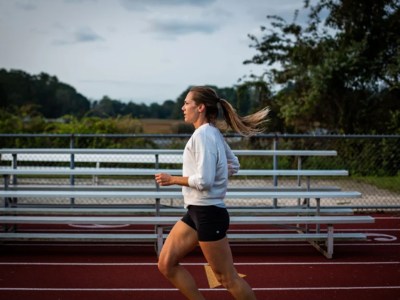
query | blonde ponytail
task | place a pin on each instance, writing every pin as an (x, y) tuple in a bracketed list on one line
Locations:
[(247, 126)]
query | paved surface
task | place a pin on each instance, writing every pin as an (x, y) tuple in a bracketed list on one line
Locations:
[(359, 270)]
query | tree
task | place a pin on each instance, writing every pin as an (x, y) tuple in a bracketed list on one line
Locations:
[(105, 108), (52, 97), (167, 109), (338, 72)]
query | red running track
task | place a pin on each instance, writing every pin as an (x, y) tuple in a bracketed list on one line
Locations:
[(359, 270)]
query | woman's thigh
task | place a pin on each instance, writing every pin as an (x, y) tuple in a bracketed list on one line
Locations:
[(219, 256), (181, 240)]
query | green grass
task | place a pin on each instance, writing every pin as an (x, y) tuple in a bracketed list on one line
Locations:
[(391, 183)]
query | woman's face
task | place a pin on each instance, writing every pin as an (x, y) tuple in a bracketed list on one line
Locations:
[(190, 109)]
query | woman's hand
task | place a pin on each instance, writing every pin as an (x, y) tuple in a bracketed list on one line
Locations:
[(233, 167), (163, 179)]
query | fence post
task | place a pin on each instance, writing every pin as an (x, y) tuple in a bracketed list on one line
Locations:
[(158, 200), (14, 166), (275, 166), (72, 165)]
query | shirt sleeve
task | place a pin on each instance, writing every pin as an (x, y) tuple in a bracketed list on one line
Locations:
[(233, 161), (206, 162)]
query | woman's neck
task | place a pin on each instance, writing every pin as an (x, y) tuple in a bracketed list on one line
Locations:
[(200, 121)]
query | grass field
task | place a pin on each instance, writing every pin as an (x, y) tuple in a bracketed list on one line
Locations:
[(160, 126), (391, 183)]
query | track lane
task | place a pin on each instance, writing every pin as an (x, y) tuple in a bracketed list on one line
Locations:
[(367, 271)]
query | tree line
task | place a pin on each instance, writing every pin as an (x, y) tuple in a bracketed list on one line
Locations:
[(42, 103), (338, 72), (46, 95)]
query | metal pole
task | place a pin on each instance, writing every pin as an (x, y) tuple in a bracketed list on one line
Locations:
[(299, 166), (158, 200), (72, 165), (14, 166), (275, 167)]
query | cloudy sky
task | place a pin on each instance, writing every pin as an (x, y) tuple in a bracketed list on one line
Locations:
[(135, 50)]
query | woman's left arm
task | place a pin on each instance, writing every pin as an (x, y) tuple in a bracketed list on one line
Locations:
[(233, 161)]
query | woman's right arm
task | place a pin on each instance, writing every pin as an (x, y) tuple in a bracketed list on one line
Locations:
[(164, 179)]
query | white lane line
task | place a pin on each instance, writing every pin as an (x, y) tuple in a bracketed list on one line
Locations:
[(337, 244), (16, 289), (77, 245), (367, 244), (199, 264), (393, 231), (331, 288), (90, 230)]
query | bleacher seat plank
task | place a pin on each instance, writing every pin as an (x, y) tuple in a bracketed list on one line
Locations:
[(254, 211), (70, 237), (176, 194), (170, 220), (256, 237), (152, 172), (283, 237), (44, 187)]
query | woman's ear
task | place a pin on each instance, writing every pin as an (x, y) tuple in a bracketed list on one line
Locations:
[(201, 107)]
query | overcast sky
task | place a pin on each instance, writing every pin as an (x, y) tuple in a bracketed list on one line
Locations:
[(135, 50)]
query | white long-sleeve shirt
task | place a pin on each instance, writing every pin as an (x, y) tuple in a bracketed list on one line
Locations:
[(207, 161)]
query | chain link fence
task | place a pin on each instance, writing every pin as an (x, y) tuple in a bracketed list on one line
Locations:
[(373, 161)]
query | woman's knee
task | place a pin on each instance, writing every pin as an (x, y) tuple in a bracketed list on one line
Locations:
[(166, 266), (162, 266), (227, 280)]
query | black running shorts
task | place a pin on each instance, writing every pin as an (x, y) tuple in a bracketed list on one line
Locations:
[(210, 222)]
